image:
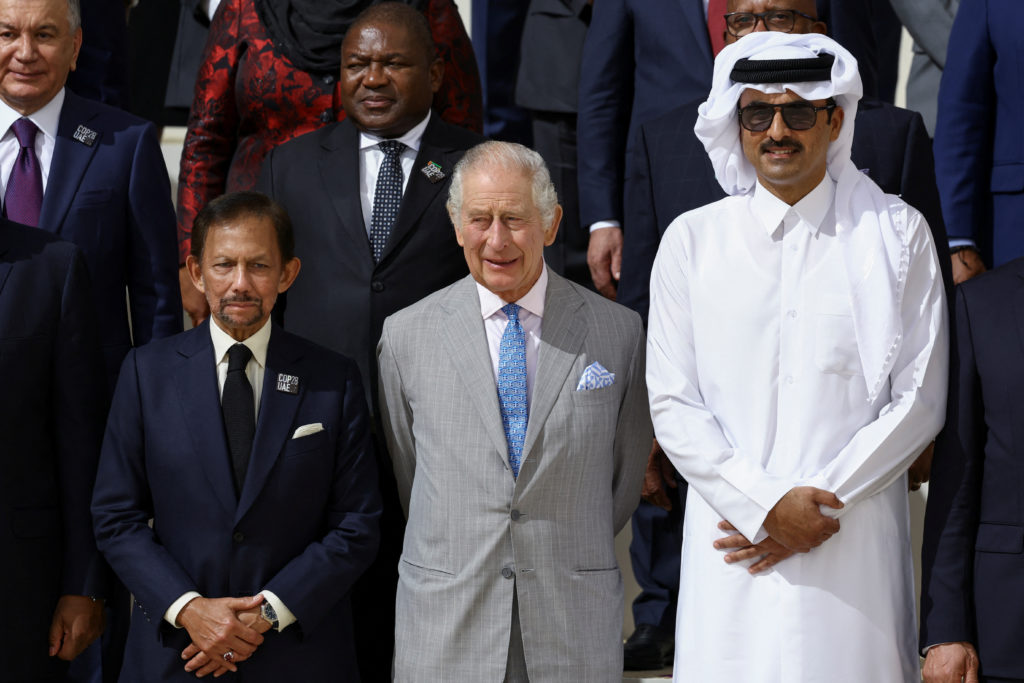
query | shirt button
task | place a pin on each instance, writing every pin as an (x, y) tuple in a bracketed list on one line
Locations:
[(507, 572), (377, 286), (792, 313), (790, 379), (326, 116), (238, 537), (515, 515)]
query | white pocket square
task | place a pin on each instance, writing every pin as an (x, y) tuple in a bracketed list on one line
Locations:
[(306, 430), (595, 377)]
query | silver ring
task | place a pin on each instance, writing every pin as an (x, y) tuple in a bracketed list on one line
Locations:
[(229, 656)]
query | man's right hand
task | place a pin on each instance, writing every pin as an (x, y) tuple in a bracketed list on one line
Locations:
[(604, 257), (192, 299), (659, 474), (796, 520), (951, 663), (214, 627), (967, 263)]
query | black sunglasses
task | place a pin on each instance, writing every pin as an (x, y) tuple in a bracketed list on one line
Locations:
[(741, 23), (758, 117)]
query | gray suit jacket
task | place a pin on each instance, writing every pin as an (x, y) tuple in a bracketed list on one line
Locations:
[(929, 22), (474, 531)]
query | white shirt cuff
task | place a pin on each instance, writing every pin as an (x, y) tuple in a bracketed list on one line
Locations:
[(284, 615), (171, 615), (605, 224), (961, 242)]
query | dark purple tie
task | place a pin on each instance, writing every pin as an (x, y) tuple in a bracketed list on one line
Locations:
[(24, 197)]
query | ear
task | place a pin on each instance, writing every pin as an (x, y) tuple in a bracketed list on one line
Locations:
[(289, 271), (77, 42), (458, 229), (195, 271), (549, 234), (837, 123), (436, 75), (819, 27)]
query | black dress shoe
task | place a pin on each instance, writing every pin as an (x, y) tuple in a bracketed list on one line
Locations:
[(649, 648)]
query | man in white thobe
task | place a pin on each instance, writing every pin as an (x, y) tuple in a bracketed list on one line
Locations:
[(796, 366)]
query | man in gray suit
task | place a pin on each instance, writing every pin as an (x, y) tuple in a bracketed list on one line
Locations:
[(513, 403), (929, 22)]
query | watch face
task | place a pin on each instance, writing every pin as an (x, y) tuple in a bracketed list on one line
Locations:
[(269, 613)]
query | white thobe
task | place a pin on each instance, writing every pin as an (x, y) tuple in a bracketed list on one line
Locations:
[(756, 387)]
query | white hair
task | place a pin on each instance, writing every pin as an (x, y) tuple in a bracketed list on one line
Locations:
[(508, 156)]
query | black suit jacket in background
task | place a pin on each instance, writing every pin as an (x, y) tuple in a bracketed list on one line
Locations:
[(52, 408), (672, 175)]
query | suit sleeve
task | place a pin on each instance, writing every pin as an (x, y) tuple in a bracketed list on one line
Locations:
[(639, 250), (964, 130), (122, 506), (929, 23), (213, 123), (79, 398), (633, 435), (396, 417), (153, 290), (954, 494), (605, 103), (312, 583)]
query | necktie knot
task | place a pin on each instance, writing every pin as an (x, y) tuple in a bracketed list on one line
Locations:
[(392, 148), (512, 311), (25, 131), (238, 357)]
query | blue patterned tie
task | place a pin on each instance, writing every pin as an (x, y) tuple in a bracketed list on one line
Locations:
[(387, 197), (512, 385)]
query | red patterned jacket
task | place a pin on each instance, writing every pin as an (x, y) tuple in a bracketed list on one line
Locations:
[(249, 99)]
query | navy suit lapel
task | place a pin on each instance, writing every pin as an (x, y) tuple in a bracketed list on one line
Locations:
[(561, 337), (70, 161), (276, 415), (419, 191), (339, 172), (200, 400)]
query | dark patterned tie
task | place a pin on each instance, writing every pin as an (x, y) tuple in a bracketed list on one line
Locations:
[(239, 409), (24, 196), (512, 385), (387, 198)]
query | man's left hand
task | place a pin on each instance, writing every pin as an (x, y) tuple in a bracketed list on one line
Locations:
[(658, 475), (921, 469), (769, 550), (77, 621), (201, 664)]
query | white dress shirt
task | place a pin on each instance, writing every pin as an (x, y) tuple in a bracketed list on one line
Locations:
[(531, 314), (46, 119), (371, 156), (756, 387), (254, 370)]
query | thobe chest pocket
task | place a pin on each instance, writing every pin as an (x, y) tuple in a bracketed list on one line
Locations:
[(835, 344)]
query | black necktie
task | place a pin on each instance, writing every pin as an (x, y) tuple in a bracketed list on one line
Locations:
[(387, 197), (239, 409)]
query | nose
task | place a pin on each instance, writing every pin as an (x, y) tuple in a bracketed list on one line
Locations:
[(760, 24), (25, 48), (240, 280), (778, 129), (498, 235), (376, 75)]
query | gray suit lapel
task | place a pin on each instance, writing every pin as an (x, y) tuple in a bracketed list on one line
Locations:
[(561, 337), (467, 343)]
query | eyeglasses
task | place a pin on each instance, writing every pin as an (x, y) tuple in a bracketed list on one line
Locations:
[(741, 23), (802, 115)]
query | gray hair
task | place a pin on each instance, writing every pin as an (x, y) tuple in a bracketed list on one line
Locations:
[(74, 15), (509, 156)]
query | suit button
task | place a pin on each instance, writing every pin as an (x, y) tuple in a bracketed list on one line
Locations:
[(326, 116), (377, 286), (507, 572), (515, 515), (238, 536)]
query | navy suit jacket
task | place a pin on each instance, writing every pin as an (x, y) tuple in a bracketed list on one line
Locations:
[(973, 554), (303, 527), (52, 409), (979, 141), (673, 175), (110, 195)]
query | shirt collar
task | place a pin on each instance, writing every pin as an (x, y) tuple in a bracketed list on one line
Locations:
[(811, 209), (257, 343), (411, 139), (46, 119), (532, 301)]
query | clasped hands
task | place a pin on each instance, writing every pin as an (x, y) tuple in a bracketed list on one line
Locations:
[(218, 626), (794, 525)]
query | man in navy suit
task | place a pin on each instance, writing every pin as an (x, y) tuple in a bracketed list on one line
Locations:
[(89, 173), (52, 409), (979, 144), (972, 569), (267, 512)]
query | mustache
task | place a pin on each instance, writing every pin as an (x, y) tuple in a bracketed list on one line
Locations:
[(770, 144), (241, 299)]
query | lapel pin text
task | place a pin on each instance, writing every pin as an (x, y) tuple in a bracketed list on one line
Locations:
[(433, 172), (86, 136), (289, 384)]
